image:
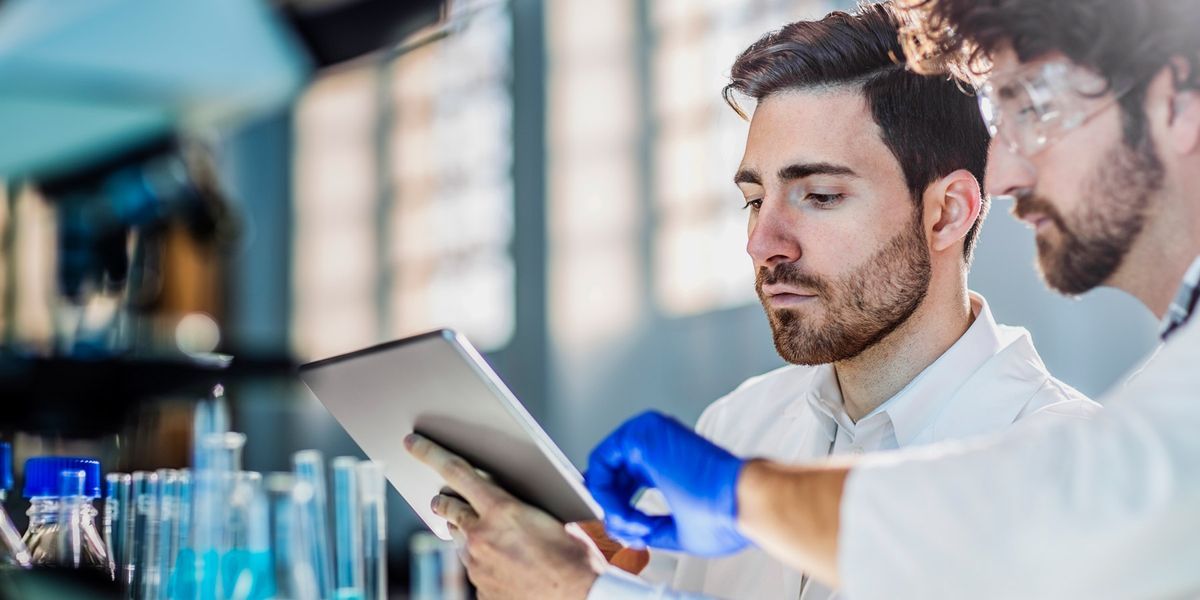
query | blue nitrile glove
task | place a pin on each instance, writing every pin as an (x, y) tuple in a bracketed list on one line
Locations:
[(697, 478)]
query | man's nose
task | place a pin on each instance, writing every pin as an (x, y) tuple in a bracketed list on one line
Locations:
[(773, 237), (1008, 173)]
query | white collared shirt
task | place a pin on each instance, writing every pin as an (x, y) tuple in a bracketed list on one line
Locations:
[(990, 378)]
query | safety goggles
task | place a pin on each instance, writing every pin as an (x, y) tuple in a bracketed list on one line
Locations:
[(1030, 109)]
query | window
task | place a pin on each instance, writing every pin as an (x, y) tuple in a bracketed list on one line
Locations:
[(403, 194), (593, 196), (699, 235)]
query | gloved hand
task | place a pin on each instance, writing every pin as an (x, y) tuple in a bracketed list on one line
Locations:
[(697, 478)]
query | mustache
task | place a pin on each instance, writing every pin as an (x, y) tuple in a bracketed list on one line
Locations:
[(789, 274), (1026, 203)]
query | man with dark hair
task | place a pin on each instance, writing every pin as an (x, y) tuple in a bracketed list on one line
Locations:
[(861, 184), (1094, 108)]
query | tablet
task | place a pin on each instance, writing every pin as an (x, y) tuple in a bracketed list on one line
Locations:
[(438, 385)]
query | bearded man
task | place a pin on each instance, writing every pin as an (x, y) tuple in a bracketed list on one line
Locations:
[(861, 182)]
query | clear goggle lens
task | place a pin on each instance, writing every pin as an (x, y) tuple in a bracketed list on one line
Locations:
[(1032, 109)]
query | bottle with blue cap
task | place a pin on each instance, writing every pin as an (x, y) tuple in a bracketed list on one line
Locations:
[(13, 552), (62, 521)]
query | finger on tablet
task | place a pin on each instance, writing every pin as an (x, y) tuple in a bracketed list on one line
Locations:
[(458, 513), (458, 473)]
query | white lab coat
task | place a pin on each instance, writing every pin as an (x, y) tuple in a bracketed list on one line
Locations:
[(990, 378), (1104, 509)]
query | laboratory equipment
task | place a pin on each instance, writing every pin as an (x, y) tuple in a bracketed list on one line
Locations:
[(246, 566), (214, 481), (62, 529), (145, 531), (13, 552), (161, 556), (437, 573), (295, 576), (372, 487), (118, 526), (347, 525), (312, 509)]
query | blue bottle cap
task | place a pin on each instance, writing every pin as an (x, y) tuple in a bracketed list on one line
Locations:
[(42, 475), (6, 473)]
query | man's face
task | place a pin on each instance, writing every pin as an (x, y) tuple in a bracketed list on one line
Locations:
[(1087, 194), (837, 241)]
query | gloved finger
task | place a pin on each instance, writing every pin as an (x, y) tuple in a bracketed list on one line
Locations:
[(613, 489), (634, 446), (610, 472), (631, 523), (652, 532), (664, 534)]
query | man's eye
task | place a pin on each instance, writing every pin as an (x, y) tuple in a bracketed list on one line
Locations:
[(1028, 113), (825, 200), (755, 204)]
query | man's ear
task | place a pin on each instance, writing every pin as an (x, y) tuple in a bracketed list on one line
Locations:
[(1183, 124), (952, 206)]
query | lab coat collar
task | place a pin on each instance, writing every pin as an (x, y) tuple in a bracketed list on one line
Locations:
[(919, 404), (1184, 304), (824, 398), (914, 409)]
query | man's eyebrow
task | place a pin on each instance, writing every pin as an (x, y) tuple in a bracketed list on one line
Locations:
[(802, 170), (747, 176)]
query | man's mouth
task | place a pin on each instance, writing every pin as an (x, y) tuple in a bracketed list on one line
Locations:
[(1037, 221), (780, 296)]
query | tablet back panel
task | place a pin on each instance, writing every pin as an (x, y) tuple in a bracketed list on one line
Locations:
[(437, 385)]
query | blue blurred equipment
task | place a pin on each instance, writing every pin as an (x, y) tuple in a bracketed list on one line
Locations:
[(13, 552), (62, 521), (697, 478)]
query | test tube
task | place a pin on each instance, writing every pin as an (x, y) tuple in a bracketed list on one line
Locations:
[(144, 487), (437, 573), (167, 534), (347, 528), (310, 469), (246, 566), (258, 540), (454, 574), (70, 504), (211, 418), (372, 486), (222, 454), (145, 531), (293, 574), (117, 513), (181, 580)]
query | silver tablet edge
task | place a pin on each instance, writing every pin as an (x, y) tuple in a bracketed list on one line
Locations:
[(549, 449)]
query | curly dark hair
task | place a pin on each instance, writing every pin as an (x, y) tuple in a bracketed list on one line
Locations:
[(1125, 41), (930, 125)]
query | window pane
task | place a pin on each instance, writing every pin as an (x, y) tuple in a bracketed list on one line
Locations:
[(699, 258), (404, 194)]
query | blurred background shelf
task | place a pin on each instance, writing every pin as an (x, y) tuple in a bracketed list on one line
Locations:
[(81, 398)]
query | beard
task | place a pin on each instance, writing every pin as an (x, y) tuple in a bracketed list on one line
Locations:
[(860, 309), (1092, 242)]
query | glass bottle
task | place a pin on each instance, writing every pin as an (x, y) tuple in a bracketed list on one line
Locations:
[(13, 552), (62, 521)]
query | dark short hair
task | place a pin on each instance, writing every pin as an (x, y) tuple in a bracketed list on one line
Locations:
[(930, 123), (1125, 41)]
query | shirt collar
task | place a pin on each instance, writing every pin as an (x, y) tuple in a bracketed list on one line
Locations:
[(825, 398), (1184, 303), (915, 407)]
